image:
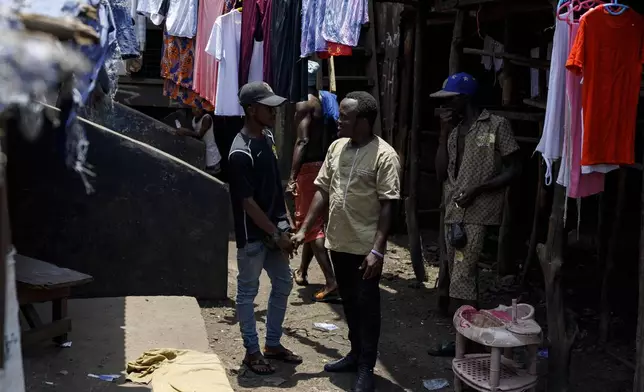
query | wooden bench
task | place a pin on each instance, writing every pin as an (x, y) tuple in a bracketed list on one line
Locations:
[(38, 281)]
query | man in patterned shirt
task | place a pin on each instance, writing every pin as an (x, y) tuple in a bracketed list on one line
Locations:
[(477, 159)]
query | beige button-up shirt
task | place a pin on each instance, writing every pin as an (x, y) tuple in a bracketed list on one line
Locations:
[(357, 179)]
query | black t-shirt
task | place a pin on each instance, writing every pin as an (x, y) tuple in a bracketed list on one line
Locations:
[(254, 173)]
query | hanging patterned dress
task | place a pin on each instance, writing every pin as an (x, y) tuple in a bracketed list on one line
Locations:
[(177, 66)]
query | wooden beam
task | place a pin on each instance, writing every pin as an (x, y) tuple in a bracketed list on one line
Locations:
[(509, 114), (455, 60), (514, 58), (520, 139), (489, 13), (561, 329), (534, 103), (5, 242), (639, 337), (47, 331), (411, 203), (457, 42), (404, 109), (372, 67), (536, 219), (446, 5), (611, 253)]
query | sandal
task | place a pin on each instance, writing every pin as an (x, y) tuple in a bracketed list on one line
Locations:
[(326, 296), (261, 367), (446, 349), (300, 279), (284, 355)]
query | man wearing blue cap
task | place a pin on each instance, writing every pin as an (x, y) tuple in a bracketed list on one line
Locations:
[(477, 159)]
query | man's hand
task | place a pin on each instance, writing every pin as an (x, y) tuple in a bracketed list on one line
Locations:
[(184, 132), (466, 198), (291, 188), (286, 244), (298, 238), (372, 266), (447, 121)]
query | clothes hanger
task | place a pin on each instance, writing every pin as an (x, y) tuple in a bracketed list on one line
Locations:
[(609, 7), (238, 5), (588, 4), (564, 7)]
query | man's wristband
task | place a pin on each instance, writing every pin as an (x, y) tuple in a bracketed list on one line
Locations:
[(376, 253)]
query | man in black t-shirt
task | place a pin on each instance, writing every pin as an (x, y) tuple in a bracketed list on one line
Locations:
[(261, 226)]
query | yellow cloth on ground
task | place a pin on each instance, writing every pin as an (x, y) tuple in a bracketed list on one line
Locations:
[(170, 370)]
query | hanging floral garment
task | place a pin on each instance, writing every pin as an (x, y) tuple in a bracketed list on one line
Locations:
[(177, 66)]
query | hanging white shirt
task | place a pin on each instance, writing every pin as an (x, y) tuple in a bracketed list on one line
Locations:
[(551, 143), (151, 8), (224, 46), (182, 18), (213, 157)]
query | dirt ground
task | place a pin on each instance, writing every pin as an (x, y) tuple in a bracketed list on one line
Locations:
[(409, 327)]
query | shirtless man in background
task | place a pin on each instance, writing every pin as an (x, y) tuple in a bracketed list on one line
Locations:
[(315, 120)]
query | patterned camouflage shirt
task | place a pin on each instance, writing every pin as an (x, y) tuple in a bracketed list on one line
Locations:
[(489, 139)]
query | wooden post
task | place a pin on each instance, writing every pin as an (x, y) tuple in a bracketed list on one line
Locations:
[(534, 234), (5, 243), (561, 331), (638, 384), (402, 136), (372, 68), (332, 84), (454, 67), (411, 203), (388, 40), (538, 203), (604, 302), (505, 254), (455, 53)]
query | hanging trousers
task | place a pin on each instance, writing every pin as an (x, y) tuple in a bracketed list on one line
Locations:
[(361, 302)]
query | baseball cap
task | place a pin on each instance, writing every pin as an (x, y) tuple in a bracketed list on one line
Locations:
[(259, 92), (457, 84)]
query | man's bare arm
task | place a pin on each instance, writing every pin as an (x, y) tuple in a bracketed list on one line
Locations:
[(511, 170), (442, 157), (384, 224), (258, 216), (205, 125), (302, 122), (320, 203)]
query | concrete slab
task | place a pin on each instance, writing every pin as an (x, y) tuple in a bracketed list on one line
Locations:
[(154, 226), (108, 332)]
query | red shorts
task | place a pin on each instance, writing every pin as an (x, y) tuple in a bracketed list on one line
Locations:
[(304, 192)]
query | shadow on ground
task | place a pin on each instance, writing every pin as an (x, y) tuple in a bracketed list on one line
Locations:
[(98, 347)]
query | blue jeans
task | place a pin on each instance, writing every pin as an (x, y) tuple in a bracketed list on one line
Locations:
[(125, 35), (251, 259)]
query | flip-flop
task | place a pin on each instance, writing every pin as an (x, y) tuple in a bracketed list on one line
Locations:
[(256, 363), (285, 355), (331, 296), (299, 281), (445, 349)]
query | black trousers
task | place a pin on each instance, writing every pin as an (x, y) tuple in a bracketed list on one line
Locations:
[(361, 301)]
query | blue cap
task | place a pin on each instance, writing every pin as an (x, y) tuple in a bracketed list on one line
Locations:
[(457, 84)]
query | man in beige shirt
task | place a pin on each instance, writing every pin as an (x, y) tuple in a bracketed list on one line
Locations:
[(358, 181)]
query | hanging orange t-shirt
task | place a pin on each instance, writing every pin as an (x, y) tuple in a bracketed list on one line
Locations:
[(608, 52)]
